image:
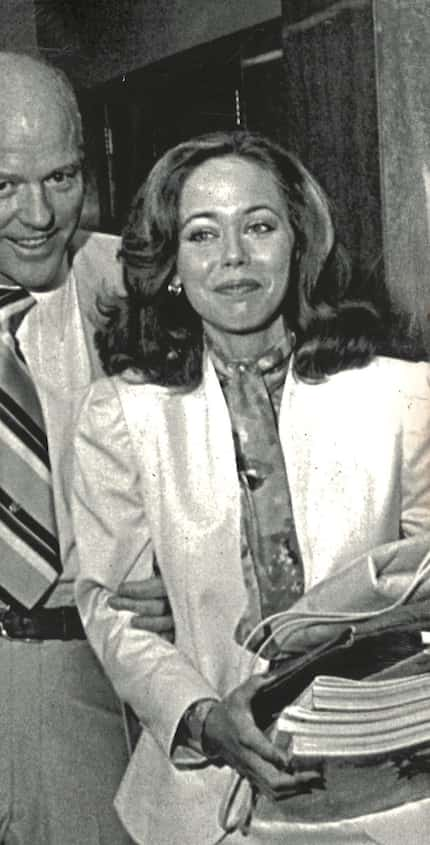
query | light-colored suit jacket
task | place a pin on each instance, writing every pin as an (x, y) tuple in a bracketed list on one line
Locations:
[(57, 341), (155, 472)]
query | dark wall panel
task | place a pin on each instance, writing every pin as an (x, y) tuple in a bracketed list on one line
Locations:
[(103, 39), (403, 42), (330, 112), (17, 25)]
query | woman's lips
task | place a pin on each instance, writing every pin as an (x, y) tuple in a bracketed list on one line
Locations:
[(238, 288)]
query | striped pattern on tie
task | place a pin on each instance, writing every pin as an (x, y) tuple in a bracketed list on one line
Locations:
[(29, 552)]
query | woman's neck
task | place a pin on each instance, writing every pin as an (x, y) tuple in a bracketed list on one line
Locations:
[(249, 346)]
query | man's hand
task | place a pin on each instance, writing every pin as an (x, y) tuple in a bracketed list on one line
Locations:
[(147, 599), (231, 734)]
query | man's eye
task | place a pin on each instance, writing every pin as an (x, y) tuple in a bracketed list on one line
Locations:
[(6, 188), (62, 178), (58, 178)]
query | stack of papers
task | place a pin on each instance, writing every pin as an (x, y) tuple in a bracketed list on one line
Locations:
[(340, 718)]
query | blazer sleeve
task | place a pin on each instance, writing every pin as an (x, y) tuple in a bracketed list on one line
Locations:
[(114, 543), (415, 483)]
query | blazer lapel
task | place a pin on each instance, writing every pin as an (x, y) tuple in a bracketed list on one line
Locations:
[(341, 469), (320, 468)]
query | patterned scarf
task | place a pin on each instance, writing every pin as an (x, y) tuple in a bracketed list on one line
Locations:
[(271, 561)]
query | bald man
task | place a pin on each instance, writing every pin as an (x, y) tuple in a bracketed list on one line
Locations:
[(63, 749)]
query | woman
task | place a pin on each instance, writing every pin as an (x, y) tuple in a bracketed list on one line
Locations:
[(250, 444)]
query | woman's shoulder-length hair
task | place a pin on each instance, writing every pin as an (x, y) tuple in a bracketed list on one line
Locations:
[(161, 336)]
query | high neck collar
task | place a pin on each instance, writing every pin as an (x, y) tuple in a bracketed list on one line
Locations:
[(275, 355)]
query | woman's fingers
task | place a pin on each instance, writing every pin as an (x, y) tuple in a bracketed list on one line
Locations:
[(231, 733), (276, 784), (255, 741)]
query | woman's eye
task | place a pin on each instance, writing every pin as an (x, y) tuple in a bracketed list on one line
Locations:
[(201, 235), (260, 227)]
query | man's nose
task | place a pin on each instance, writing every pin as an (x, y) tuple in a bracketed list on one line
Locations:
[(234, 253), (35, 209)]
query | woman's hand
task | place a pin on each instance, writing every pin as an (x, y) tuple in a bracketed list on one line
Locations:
[(231, 734), (307, 637), (148, 600)]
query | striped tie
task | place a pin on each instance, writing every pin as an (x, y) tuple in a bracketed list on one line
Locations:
[(29, 552)]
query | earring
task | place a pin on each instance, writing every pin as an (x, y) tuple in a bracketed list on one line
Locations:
[(174, 288)]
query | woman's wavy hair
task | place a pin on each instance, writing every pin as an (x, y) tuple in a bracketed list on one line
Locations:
[(161, 336)]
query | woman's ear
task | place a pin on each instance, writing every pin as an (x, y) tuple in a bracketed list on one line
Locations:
[(175, 286)]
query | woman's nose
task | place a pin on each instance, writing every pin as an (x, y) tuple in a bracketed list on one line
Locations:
[(35, 209), (234, 253)]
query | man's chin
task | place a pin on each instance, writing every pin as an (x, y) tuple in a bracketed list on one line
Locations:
[(42, 276)]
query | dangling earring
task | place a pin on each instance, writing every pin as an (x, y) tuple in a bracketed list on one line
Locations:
[(174, 287)]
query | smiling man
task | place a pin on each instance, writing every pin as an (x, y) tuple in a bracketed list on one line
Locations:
[(63, 747), (41, 179)]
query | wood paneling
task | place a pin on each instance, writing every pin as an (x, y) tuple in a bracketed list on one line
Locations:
[(330, 112), (403, 60), (357, 110)]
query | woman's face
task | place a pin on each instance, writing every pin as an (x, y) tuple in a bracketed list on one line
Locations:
[(235, 245)]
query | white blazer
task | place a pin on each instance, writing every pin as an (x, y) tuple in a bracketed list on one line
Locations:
[(155, 472)]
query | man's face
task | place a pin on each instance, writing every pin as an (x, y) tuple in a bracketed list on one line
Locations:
[(41, 193)]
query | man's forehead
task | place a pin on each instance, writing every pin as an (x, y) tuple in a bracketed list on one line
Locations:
[(23, 118), (36, 107), (30, 83), (33, 143), (25, 155)]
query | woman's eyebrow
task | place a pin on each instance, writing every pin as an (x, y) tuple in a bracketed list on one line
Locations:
[(211, 215), (196, 215)]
